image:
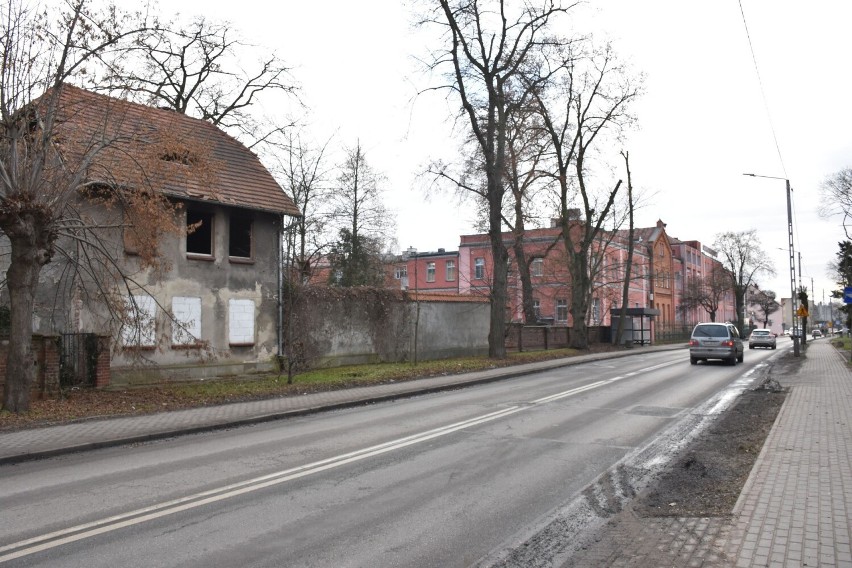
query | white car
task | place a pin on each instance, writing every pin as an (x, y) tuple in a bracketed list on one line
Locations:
[(761, 338)]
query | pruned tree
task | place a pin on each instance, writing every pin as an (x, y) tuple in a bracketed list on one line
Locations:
[(487, 44), (766, 305), (52, 175), (836, 197), (364, 226), (585, 100), (744, 260), (202, 69)]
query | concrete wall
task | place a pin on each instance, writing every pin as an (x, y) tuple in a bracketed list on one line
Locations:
[(337, 327)]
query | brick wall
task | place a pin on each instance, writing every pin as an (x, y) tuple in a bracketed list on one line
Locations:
[(46, 360)]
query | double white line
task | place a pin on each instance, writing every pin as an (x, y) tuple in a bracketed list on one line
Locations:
[(138, 516)]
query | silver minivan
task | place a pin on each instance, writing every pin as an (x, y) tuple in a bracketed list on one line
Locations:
[(715, 341)]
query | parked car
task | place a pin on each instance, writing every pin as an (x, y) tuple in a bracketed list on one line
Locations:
[(715, 341), (761, 338), (816, 333)]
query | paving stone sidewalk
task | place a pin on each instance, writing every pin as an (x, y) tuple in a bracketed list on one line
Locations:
[(795, 509)]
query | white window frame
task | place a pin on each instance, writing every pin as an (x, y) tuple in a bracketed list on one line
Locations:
[(430, 272), (537, 267), (450, 271), (479, 269), (561, 310)]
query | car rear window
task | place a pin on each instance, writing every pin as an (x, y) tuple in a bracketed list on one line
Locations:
[(760, 332), (710, 331)]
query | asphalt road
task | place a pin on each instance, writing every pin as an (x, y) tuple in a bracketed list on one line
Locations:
[(450, 479)]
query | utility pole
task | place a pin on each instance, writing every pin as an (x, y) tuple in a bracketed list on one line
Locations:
[(793, 296)]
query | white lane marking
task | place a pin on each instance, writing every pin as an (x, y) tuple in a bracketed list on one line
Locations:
[(597, 384), (138, 516)]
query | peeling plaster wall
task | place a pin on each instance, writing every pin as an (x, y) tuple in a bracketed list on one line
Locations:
[(216, 281), (62, 305)]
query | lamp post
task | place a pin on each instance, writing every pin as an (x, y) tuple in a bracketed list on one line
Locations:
[(792, 260)]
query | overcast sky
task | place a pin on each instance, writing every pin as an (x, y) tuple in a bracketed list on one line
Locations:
[(703, 120)]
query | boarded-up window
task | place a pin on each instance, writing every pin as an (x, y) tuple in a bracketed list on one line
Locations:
[(186, 327), (139, 329), (241, 322)]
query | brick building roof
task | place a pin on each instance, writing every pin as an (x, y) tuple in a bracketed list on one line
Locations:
[(181, 156)]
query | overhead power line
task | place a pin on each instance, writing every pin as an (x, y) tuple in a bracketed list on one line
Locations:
[(762, 91)]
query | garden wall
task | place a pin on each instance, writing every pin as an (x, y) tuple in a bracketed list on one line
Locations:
[(337, 326)]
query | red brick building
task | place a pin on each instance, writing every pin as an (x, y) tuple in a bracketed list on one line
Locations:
[(661, 265)]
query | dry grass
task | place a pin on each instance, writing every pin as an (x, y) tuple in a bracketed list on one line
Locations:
[(82, 404)]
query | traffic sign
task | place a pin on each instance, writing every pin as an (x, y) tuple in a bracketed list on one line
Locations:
[(802, 312), (847, 295)]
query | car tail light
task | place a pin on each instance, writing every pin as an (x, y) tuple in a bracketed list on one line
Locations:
[(727, 343), (693, 343)]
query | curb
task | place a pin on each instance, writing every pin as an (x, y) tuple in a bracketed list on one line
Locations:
[(492, 375)]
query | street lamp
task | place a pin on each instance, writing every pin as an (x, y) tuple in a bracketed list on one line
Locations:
[(792, 260)]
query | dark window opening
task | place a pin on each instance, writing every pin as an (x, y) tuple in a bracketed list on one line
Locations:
[(199, 232), (239, 240)]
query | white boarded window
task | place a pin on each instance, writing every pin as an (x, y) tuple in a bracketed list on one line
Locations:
[(186, 327), (241, 322), (140, 327)]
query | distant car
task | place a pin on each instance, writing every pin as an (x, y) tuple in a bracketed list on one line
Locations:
[(715, 341), (816, 333), (761, 338)]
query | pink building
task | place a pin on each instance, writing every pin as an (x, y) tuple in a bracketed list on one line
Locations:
[(660, 268)]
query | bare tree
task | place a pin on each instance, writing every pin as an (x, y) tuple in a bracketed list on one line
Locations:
[(707, 292), (743, 259), (51, 175), (587, 99), (766, 305), (487, 45), (364, 226), (630, 248), (836, 197), (525, 147), (306, 179), (198, 70)]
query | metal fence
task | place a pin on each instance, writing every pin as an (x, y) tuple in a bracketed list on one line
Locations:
[(78, 359), (668, 332)]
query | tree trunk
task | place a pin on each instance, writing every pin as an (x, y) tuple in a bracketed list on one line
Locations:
[(625, 291), (526, 280), (580, 292), (497, 328), (22, 280)]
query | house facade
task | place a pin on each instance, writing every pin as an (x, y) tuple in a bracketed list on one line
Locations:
[(211, 305)]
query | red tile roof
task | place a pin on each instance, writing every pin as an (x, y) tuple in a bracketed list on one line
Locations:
[(181, 156)]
